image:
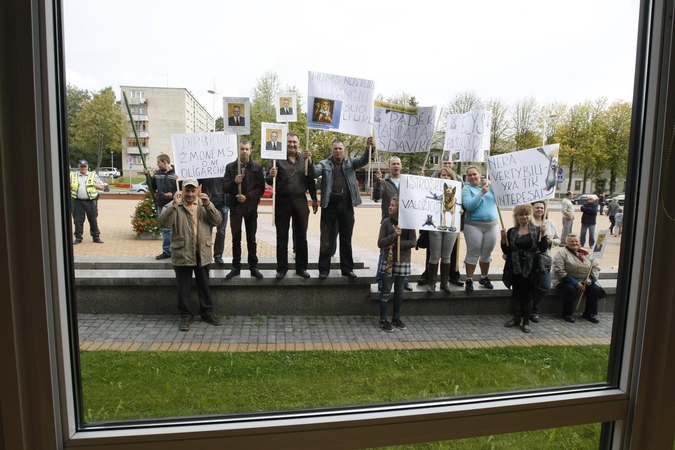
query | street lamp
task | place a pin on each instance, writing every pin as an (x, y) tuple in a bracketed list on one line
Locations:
[(543, 135), (213, 93)]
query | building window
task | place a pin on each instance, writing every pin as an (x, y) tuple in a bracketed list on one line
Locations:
[(577, 185)]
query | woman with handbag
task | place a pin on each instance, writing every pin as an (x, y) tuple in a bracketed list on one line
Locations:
[(522, 246), (552, 239)]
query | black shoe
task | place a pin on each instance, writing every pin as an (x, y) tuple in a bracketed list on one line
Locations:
[(534, 319), (256, 273), (512, 323), (302, 273), (526, 328), (219, 260), (398, 324), (422, 281), (98, 240), (184, 323), (163, 256), (407, 287), (386, 326), (469, 285), (233, 273), (569, 319), (485, 282), (280, 274), (456, 282), (591, 318), (349, 274), (323, 275), (77, 241), (212, 320)]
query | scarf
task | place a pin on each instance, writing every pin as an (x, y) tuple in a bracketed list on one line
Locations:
[(581, 253)]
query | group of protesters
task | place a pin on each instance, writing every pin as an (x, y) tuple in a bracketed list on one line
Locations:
[(188, 216)]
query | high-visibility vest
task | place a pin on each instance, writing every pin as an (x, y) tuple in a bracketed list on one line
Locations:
[(92, 192)]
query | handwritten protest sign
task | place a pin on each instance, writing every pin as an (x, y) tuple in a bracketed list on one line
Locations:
[(525, 176), (238, 113), (339, 103), (600, 244), (467, 136), (203, 155), (287, 106), (422, 200), (404, 129), (273, 140)]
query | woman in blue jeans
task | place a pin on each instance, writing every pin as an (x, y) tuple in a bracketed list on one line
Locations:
[(552, 239)]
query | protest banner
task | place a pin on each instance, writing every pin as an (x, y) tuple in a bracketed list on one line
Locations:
[(525, 176), (273, 140), (467, 136), (203, 155), (432, 204), (403, 129), (287, 106), (339, 103), (600, 243), (238, 113)]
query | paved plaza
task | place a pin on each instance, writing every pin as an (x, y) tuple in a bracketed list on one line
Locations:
[(293, 333)]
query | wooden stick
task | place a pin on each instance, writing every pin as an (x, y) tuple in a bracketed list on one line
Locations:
[(307, 147), (238, 164), (501, 221), (274, 193), (543, 220), (398, 248), (587, 277), (459, 241)]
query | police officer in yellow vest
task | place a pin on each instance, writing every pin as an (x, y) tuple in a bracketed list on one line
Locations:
[(84, 187)]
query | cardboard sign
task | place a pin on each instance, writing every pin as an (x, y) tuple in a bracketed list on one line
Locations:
[(203, 155), (236, 115), (432, 204), (404, 129), (467, 136)]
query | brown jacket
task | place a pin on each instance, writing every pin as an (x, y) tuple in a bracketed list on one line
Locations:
[(568, 268)]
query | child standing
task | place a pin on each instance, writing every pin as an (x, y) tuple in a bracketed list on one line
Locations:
[(394, 271), (618, 222)]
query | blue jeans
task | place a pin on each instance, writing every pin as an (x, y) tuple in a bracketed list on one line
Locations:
[(387, 283), (542, 287), (219, 245), (591, 234), (166, 235)]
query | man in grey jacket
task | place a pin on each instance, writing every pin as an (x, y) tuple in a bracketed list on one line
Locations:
[(339, 195), (191, 217)]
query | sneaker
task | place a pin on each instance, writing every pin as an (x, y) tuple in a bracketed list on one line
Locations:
[(468, 286), (386, 326), (164, 255), (526, 328), (591, 318), (184, 323), (212, 320), (398, 324), (485, 282)]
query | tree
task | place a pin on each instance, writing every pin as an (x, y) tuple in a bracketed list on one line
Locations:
[(524, 127), (76, 98), (499, 131), (617, 140), (219, 124), (99, 125)]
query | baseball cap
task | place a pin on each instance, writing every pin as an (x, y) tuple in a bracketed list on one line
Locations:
[(82, 162), (190, 182)]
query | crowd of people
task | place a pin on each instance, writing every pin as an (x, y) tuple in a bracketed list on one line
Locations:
[(188, 215)]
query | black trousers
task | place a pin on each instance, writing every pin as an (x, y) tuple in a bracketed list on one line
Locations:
[(240, 214), (297, 209), (88, 208), (338, 217), (184, 280), (522, 297)]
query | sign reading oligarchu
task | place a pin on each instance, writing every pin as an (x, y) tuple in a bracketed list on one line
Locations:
[(525, 176), (203, 155), (404, 129)]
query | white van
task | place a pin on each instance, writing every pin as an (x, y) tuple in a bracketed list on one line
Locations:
[(106, 172)]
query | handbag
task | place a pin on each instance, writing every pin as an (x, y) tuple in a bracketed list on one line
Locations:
[(422, 240), (544, 263)]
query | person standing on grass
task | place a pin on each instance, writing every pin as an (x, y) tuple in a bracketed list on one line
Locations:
[(164, 183), (394, 271), (191, 217)]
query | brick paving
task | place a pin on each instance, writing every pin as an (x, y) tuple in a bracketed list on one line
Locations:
[(297, 333)]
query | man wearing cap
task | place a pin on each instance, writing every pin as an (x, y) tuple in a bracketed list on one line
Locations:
[(191, 217), (567, 217), (84, 187)]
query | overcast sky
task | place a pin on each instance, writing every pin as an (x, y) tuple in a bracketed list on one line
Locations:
[(554, 51)]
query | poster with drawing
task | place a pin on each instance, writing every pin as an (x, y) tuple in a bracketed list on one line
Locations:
[(286, 106), (339, 103), (273, 140), (203, 155), (525, 176), (238, 113), (467, 136), (432, 204), (601, 241), (404, 129)]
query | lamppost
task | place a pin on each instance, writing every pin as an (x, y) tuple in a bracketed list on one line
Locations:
[(213, 93), (543, 134), (112, 163)]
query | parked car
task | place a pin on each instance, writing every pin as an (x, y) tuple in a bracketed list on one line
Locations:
[(620, 199), (583, 199), (268, 191), (106, 172), (139, 187)]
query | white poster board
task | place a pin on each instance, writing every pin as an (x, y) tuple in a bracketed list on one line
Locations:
[(203, 155), (273, 140), (421, 201), (601, 241), (404, 129), (339, 103), (467, 135), (287, 106), (237, 115), (525, 176)]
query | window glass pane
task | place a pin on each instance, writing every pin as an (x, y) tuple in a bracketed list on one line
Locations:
[(297, 343)]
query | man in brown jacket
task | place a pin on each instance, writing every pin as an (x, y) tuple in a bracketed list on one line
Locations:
[(191, 217)]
